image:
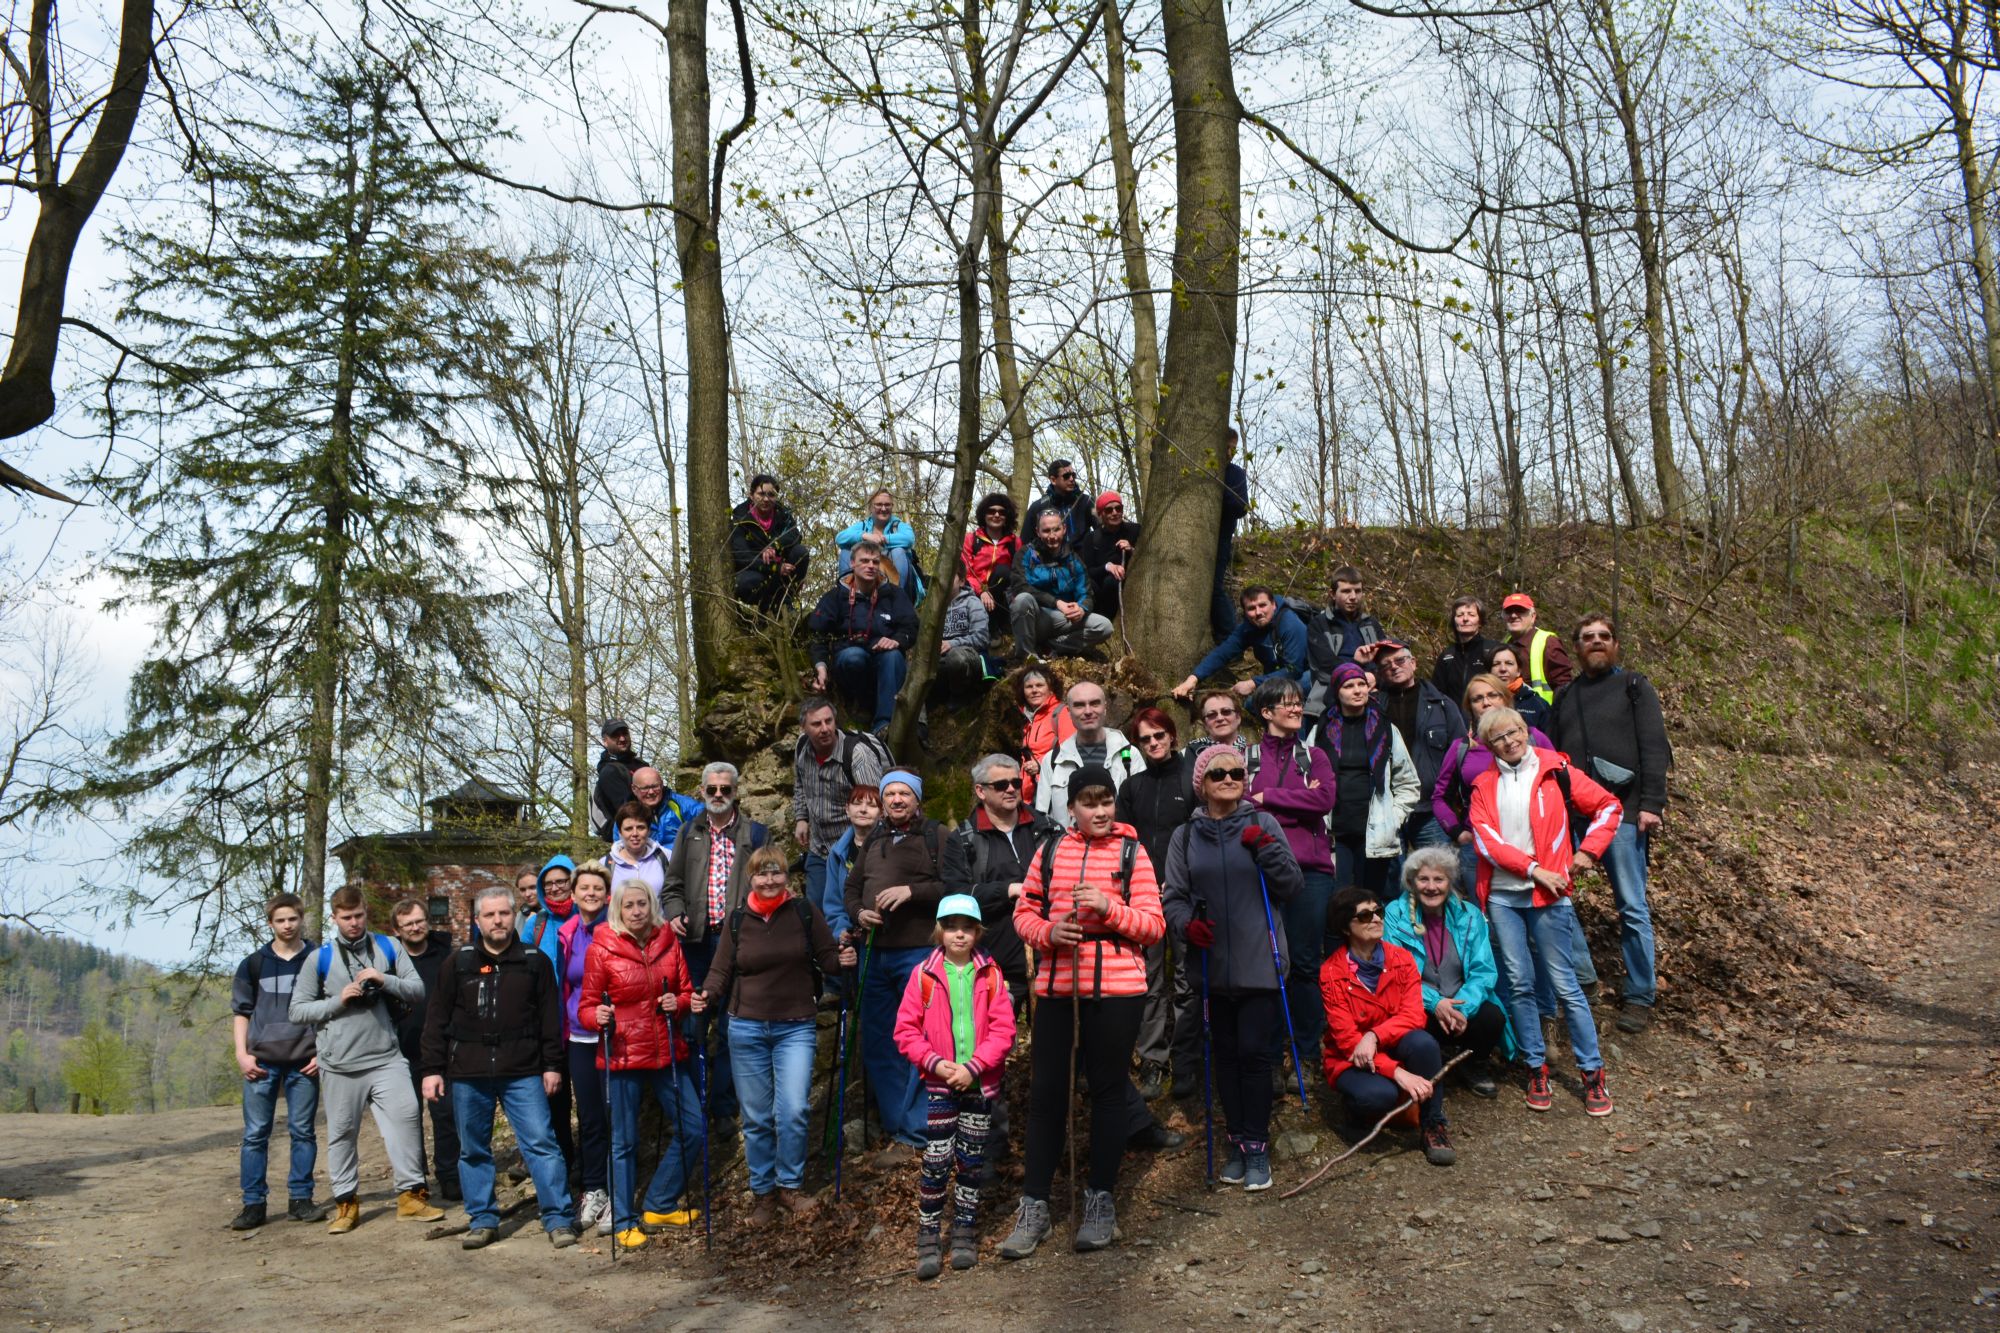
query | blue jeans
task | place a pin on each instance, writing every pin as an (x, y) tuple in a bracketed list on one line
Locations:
[(1552, 929), (675, 1090), (899, 1094), (1305, 942), (260, 1110), (870, 676), (700, 954), (1370, 1096), (527, 1108), (774, 1069), (1625, 862)]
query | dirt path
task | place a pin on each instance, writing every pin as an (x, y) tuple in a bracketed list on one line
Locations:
[(1838, 1177)]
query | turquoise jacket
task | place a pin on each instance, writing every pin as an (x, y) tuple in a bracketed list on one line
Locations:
[(1403, 925)]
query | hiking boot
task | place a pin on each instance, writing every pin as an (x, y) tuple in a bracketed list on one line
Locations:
[(763, 1212), (450, 1191), (596, 1204), (1231, 1170), (1437, 1146), (1155, 1137), (1100, 1222), (1152, 1082), (346, 1216), (630, 1239), (654, 1223), (1187, 1089), (893, 1156), (1634, 1018), (796, 1202), (928, 1263), (1479, 1081), (305, 1210), (415, 1206), (964, 1246), (562, 1237), (1031, 1228), (1539, 1096), (1256, 1171), (1596, 1097), (249, 1219), (479, 1238)]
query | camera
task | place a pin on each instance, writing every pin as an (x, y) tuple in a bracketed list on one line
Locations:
[(371, 991)]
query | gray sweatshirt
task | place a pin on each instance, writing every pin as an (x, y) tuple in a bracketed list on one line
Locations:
[(354, 1038)]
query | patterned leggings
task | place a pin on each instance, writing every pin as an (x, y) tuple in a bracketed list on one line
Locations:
[(957, 1120)]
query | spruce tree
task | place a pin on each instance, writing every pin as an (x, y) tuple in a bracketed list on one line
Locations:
[(299, 517)]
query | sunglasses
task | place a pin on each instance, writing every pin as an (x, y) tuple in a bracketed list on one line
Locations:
[(1065, 476), (1368, 914), (1216, 774), (1003, 784), (1218, 715), (1148, 737), (720, 791)]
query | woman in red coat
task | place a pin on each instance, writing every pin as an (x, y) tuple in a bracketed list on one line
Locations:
[(635, 980), (1377, 1051)]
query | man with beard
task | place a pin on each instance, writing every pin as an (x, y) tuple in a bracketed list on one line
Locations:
[(1608, 721)]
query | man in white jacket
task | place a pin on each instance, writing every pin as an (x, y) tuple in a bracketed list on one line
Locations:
[(1093, 743)]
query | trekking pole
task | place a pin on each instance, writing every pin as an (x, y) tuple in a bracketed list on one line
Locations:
[(1075, 1051), (839, 1135), (605, 1043), (707, 1215), (1207, 1081), (1284, 1001), (674, 1083), (854, 1032)]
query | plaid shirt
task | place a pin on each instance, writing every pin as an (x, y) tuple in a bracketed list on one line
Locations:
[(721, 864)]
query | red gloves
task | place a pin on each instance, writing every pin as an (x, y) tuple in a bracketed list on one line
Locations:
[(1256, 837), (1200, 933)]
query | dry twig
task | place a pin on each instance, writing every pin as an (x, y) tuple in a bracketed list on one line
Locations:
[(1369, 1138)]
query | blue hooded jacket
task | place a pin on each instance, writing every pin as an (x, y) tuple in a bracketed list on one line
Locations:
[(1402, 919), (674, 812), (546, 923), (1279, 647)]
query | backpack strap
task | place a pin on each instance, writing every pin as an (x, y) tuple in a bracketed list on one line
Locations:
[(1128, 856), (1048, 874), (806, 929), (323, 962)]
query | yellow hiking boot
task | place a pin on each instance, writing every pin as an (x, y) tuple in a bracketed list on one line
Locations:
[(415, 1206), (346, 1216), (631, 1239), (679, 1217)]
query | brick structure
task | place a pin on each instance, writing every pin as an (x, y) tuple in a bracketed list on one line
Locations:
[(479, 837)]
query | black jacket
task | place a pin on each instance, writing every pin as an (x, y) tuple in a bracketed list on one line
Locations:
[(495, 1017), (1616, 718), (1460, 662), (989, 861), (1078, 511), (1327, 647), (1155, 801), (1100, 548), (1435, 725), (613, 789), (747, 538), (430, 966)]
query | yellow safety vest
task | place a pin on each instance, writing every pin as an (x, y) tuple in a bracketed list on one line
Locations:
[(1538, 675)]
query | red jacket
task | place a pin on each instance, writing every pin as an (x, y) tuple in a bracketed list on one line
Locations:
[(979, 553), (1111, 960), (1392, 1011), (1549, 819), (636, 980), (1047, 728)]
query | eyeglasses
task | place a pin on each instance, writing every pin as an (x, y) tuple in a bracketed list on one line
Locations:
[(1003, 784), (1226, 774), (653, 790), (1514, 734), (720, 791), (1217, 714), (1368, 914)]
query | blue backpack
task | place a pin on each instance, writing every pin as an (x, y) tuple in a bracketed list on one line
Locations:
[(325, 960)]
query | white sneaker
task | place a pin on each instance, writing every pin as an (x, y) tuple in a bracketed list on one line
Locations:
[(596, 1207)]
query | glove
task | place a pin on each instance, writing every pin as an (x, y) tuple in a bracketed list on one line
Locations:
[(1199, 933), (1256, 837)]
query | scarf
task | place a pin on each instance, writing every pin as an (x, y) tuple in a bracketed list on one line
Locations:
[(1375, 737)]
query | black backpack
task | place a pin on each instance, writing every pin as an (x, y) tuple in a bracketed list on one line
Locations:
[(1128, 856), (848, 740)]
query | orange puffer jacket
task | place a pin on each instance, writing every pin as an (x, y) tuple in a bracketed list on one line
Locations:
[(1111, 960)]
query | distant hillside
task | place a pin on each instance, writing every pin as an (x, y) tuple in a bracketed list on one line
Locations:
[(121, 1034)]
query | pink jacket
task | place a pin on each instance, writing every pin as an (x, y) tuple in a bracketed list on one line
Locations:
[(923, 1021)]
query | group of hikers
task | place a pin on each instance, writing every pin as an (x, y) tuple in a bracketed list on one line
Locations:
[(1349, 875)]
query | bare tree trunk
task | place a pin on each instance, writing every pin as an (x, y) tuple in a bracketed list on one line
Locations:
[(1006, 362), (1132, 241), (1653, 275), (1976, 185), (705, 441), (1167, 610)]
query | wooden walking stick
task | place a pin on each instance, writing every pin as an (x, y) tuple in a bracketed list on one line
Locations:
[(1400, 1107)]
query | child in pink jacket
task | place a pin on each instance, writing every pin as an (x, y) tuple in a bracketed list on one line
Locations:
[(956, 1025)]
